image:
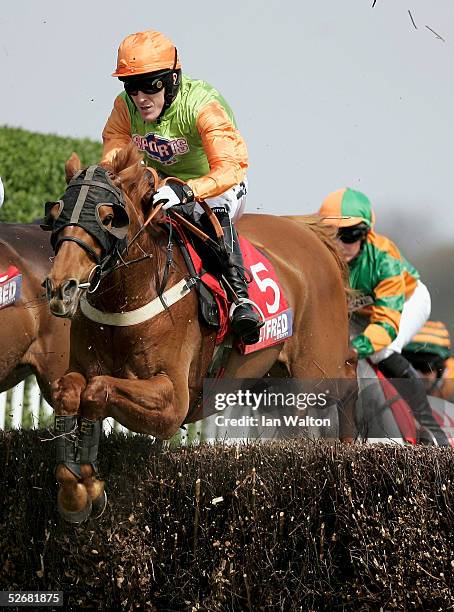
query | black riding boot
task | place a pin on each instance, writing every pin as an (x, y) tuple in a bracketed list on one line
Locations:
[(245, 321), (411, 388)]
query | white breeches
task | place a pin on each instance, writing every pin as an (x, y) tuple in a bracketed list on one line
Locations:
[(233, 200), (415, 313)]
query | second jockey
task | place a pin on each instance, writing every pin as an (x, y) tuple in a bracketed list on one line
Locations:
[(396, 302), (185, 129), (429, 353)]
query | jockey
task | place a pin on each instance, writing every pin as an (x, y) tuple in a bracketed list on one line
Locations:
[(429, 353), (186, 129), (396, 302)]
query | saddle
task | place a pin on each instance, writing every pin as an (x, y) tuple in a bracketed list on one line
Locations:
[(264, 289)]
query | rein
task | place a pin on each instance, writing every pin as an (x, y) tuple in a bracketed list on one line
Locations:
[(104, 271), (149, 218), (85, 214), (123, 263), (190, 226)]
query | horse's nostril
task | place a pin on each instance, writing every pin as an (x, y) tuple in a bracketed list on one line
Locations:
[(69, 288), (47, 284)]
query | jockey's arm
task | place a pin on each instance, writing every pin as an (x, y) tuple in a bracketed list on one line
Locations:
[(225, 150), (385, 313), (411, 277), (117, 131)]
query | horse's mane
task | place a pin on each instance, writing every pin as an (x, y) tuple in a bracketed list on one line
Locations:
[(128, 172), (327, 234)]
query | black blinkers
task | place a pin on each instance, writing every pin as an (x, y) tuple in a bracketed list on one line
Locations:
[(79, 206)]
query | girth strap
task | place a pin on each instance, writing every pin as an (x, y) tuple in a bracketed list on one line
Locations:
[(139, 315)]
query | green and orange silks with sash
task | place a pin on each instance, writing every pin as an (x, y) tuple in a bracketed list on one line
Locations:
[(433, 337), (379, 271), (195, 140), (411, 277)]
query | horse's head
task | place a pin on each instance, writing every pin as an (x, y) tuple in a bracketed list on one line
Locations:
[(91, 222)]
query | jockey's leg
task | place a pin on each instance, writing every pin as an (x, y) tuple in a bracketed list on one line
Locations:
[(393, 365), (415, 313), (245, 320), (411, 387)]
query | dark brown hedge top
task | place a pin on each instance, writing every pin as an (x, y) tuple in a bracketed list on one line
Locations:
[(277, 526)]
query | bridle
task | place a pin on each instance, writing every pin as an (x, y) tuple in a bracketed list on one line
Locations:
[(86, 192), (78, 207)]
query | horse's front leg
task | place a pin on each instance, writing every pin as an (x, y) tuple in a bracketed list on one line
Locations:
[(143, 406), (74, 503), (155, 406)]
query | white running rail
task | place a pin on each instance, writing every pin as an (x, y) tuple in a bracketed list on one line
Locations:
[(23, 406)]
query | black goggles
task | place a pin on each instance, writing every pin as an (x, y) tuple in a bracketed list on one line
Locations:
[(146, 86), (352, 234)]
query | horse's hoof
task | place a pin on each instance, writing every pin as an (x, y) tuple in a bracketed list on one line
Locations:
[(99, 505), (76, 517)]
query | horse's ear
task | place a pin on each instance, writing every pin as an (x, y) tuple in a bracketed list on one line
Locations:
[(51, 213), (72, 167)]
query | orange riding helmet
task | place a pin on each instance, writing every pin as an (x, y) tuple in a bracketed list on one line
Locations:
[(346, 208), (350, 211), (152, 56), (146, 52)]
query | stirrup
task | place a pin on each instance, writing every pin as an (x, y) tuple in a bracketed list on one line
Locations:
[(242, 301)]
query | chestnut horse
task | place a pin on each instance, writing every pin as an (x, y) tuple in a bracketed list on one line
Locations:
[(32, 340), (146, 375)]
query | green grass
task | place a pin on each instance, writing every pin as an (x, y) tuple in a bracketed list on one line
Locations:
[(32, 169)]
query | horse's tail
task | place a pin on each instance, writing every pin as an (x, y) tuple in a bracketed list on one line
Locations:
[(327, 234)]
